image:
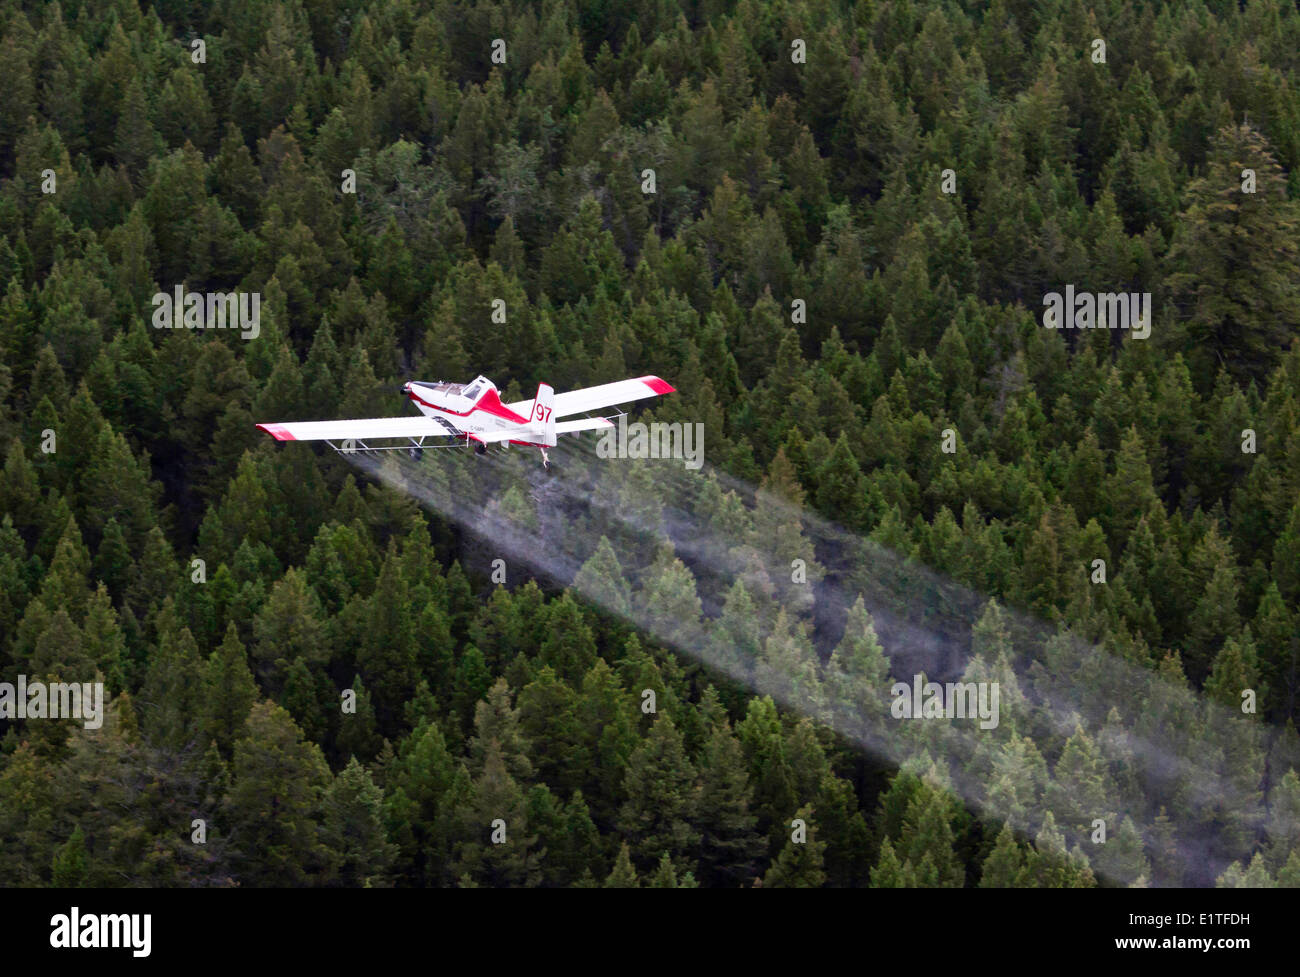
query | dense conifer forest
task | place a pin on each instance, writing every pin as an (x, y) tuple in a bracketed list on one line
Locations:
[(855, 213)]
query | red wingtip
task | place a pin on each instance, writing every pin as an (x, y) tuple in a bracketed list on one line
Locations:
[(658, 386), (277, 431)]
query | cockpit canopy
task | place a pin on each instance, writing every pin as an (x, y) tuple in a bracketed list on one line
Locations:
[(470, 391), (479, 385)]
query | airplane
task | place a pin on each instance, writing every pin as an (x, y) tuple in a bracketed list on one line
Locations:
[(473, 411)]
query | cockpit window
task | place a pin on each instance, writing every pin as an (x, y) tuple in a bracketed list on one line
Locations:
[(472, 390)]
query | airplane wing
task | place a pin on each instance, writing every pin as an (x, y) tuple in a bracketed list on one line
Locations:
[(594, 398), (561, 427), (360, 429), (584, 424)]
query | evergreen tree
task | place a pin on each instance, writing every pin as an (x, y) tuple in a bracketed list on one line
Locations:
[(70, 869), (729, 841), (1004, 864), (799, 866), (352, 828), (228, 692), (1233, 260), (662, 799), (623, 875), (278, 782)]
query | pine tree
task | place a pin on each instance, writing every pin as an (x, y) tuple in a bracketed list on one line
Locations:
[(847, 858), (228, 692), (569, 646), (665, 876), (576, 849), (418, 782), (1081, 789), (496, 720), (358, 734), (1004, 864), (1235, 670), (1288, 877), (547, 711), (857, 672), (729, 842), (607, 718), (70, 869), (662, 800), (1129, 489), (1284, 820), (601, 580), (1233, 261), (272, 810), (496, 799), (353, 830), (623, 875), (800, 864), (387, 656), (1254, 876), (889, 872), (927, 840), (288, 629), (1122, 858), (171, 700)]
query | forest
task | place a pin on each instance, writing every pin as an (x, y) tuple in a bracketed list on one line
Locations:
[(853, 217)]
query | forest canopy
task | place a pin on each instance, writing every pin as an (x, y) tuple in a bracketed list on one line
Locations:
[(824, 307)]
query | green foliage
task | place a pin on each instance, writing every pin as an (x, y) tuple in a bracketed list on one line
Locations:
[(778, 185)]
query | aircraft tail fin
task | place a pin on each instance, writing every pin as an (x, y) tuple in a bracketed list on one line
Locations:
[(544, 412)]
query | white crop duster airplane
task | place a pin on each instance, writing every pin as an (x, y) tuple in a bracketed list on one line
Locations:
[(473, 411)]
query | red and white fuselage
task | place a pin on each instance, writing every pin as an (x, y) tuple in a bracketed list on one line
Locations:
[(475, 410)]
